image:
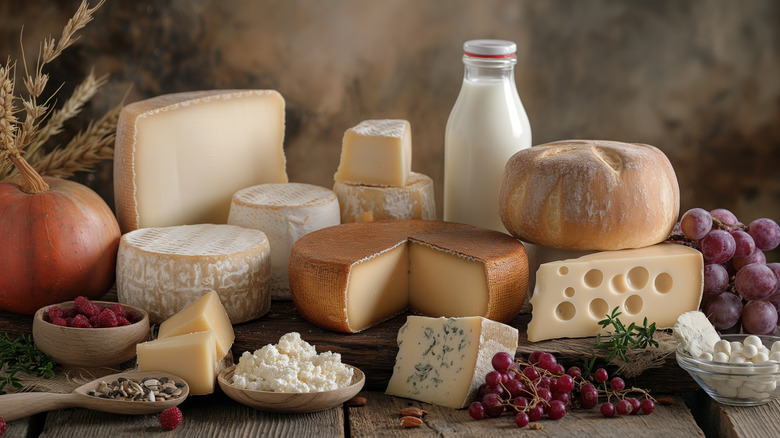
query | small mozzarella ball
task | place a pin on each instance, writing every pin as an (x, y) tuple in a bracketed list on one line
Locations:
[(754, 341), (720, 357), (749, 351), (775, 356), (736, 346), (775, 346), (722, 346), (708, 356), (726, 391), (737, 358), (760, 358)]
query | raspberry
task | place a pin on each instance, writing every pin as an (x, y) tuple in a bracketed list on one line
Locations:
[(70, 312), (131, 316), (54, 312), (80, 321), (117, 309), (60, 321), (121, 320), (3, 426), (85, 306), (107, 318), (170, 418)]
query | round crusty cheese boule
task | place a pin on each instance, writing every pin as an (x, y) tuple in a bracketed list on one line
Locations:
[(589, 195)]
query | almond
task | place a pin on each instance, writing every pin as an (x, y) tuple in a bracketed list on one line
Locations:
[(357, 401), (409, 421), (413, 412)]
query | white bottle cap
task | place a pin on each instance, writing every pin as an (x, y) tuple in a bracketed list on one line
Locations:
[(489, 48)]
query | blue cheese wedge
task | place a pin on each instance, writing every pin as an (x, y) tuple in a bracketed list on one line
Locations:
[(695, 334), (443, 361)]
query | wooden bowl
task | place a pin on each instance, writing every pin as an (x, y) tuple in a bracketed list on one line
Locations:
[(90, 347), (290, 402)]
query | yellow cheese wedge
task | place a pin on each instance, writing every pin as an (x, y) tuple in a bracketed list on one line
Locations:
[(206, 313), (376, 152), (192, 357), (659, 282)]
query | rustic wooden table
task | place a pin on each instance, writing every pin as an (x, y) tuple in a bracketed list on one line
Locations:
[(692, 414)]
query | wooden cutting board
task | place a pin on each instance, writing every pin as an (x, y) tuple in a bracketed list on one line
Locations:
[(374, 350)]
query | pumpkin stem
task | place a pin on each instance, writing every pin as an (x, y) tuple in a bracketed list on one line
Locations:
[(32, 182)]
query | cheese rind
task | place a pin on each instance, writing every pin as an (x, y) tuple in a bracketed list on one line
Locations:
[(659, 282), (180, 157), (191, 357), (162, 270), (444, 360), (206, 313), (376, 152), (349, 277), (360, 203), (284, 212)]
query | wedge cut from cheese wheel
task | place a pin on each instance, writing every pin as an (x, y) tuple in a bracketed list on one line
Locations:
[(376, 152), (444, 360), (162, 270), (284, 212), (206, 313), (360, 203), (180, 157), (351, 276), (659, 282), (191, 357)]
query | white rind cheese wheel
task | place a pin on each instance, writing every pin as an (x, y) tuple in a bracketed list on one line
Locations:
[(180, 157), (284, 212), (589, 195), (349, 277), (361, 203), (162, 270), (444, 360)]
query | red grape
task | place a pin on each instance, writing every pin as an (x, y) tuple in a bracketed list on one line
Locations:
[(547, 361), (477, 410), (758, 256), (502, 361), (647, 406), (744, 243), (607, 409), (574, 372), (717, 246), (623, 407), (716, 279), (534, 357), (695, 223), (520, 402), (634, 405), (536, 413), (544, 393), (521, 419), (565, 383), (557, 410), (775, 268), (723, 310), (493, 405), (755, 282), (531, 373), (725, 216), (766, 233), (759, 317), (601, 375), (543, 382), (565, 397), (493, 379), (617, 384), (515, 387)]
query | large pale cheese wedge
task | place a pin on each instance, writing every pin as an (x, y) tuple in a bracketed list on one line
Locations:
[(351, 276), (206, 313), (444, 360), (659, 283), (589, 195), (162, 270), (360, 203), (376, 152), (191, 357), (180, 157), (284, 212)]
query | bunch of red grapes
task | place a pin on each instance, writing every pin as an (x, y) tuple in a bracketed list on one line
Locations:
[(543, 387), (741, 290)]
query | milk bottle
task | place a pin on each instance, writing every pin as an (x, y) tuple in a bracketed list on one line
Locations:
[(487, 125)]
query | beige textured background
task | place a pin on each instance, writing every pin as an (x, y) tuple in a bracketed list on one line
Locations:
[(698, 79)]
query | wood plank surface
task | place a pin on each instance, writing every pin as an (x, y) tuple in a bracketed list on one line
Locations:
[(379, 417), (374, 350), (719, 420)]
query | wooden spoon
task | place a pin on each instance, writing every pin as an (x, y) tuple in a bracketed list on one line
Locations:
[(287, 402), (24, 404)]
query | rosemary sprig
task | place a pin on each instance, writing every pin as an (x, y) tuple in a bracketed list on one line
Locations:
[(620, 338), (21, 354)]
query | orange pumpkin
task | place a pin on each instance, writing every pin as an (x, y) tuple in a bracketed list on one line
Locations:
[(54, 245)]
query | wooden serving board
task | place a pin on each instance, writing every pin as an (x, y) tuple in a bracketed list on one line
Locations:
[(374, 350)]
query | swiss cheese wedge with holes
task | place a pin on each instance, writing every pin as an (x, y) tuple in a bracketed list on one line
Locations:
[(659, 282), (349, 277)]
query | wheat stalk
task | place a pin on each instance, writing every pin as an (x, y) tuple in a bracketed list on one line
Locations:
[(87, 148)]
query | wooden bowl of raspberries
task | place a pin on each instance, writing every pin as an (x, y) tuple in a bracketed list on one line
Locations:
[(85, 333)]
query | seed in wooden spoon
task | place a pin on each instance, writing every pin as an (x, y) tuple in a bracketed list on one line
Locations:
[(148, 389)]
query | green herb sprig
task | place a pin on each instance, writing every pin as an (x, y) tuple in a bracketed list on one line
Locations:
[(620, 338), (21, 354)]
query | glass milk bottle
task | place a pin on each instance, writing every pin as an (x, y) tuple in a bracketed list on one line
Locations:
[(487, 125)]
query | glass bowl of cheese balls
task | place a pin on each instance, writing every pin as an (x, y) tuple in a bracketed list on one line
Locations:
[(741, 369)]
